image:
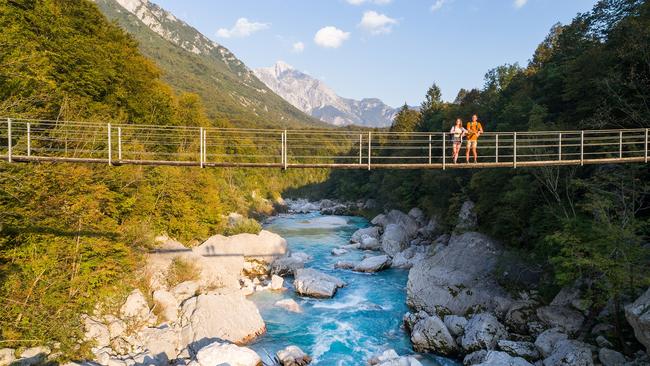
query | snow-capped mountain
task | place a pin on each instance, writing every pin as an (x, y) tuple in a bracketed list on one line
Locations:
[(314, 97)]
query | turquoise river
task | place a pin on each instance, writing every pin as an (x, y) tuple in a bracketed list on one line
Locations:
[(362, 320)]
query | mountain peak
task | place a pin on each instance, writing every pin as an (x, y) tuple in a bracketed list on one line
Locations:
[(314, 97), (282, 66)]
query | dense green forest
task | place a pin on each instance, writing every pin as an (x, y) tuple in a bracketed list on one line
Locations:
[(71, 235), (590, 223)]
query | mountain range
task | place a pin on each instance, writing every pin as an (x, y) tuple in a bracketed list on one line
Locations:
[(314, 97), (191, 62)]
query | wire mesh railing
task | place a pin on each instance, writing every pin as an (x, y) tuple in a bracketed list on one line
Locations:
[(23, 140)]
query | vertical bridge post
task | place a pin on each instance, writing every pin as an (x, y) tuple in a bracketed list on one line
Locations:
[(29, 139), (559, 147), (369, 148), (286, 164), (9, 142), (282, 149), (496, 148), (444, 151), (582, 148), (514, 150), (620, 144), (110, 152), (360, 149), (646, 146), (201, 147), (429, 149), (205, 146), (119, 144)]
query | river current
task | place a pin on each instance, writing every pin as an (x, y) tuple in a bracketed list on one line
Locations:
[(362, 320)]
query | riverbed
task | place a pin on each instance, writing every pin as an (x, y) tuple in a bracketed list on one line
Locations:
[(362, 320)]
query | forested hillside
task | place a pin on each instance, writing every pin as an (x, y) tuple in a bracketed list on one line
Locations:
[(189, 62), (590, 223), (71, 235)]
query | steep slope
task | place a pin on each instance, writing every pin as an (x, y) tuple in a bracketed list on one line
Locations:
[(193, 63), (312, 96)]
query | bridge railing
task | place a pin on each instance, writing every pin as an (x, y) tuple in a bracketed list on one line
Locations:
[(25, 140)]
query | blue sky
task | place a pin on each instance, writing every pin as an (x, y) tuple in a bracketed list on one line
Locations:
[(390, 49)]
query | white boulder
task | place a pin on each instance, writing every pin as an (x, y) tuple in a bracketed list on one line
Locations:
[(431, 335), (496, 358), (394, 240), (265, 246), (570, 353), (228, 317), (456, 324), (227, 354), (313, 283), (610, 357), (289, 305), (370, 232), (391, 358), (135, 307), (277, 283), (638, 315), (482, 332), (373, 264), (167, 303), (546, 341), (561, 317), (96, 332), (467, 219), (7, 356), (293, 356)]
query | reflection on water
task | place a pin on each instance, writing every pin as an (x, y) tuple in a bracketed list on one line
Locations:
[(362, 320)]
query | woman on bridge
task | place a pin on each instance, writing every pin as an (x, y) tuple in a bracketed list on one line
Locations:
[(457, 133)]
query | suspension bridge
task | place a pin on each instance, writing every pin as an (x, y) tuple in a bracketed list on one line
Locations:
[(23, 140)]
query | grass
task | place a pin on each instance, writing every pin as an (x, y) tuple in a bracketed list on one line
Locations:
[(180, 270)]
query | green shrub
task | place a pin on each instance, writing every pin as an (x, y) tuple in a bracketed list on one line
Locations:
[(181, 271)]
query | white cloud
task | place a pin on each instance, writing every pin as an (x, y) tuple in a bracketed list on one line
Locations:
[(377, 23), (437, 5), (377, 2), (520, 3), (298, 47), (242, 28), (331, 37)]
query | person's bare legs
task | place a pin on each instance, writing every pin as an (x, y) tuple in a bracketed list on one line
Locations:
[(469, 147), (474, 148), (456, 148)]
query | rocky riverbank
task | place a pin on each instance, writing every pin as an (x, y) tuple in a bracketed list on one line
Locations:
[(460, 310), (193, 308)]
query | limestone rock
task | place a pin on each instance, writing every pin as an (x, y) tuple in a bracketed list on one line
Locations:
[(163, 342), (265, 246), (455, 324), (496, 358), (373, 264), (277, 283), (289, 305), (403, 220), (524, 350), (546, 341), (610, 357), (519, 314), (370, 232), (569, 353), (431, 335), (185, 290), (313, 283), (482, 332), (33, 356), (7, 356), (167, 304), (394, 240), (344, 265), (418, 216), (228, 317), (286, 266), (467, 219), (369, 243), (391, 358), (293, 356), (561, 317), (409, 257), (459, 278), (475, 358), (96, 332), (430, 230), (227, 354), (337, 252), (638, 315), (135, 307)]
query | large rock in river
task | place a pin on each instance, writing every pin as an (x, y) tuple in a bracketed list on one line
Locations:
[(459, 278), (215, 316), (312, 283), (372, 232), (395, 239), (638, 315), (429, 334), (373, 264), (482, 331), (570, 353), (227, 354), (265, 246)]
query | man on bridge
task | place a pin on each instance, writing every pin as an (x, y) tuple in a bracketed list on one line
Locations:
[(474, 131)]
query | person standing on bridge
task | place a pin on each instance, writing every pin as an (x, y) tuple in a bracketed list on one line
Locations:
[(474, 131), (457, 133)]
